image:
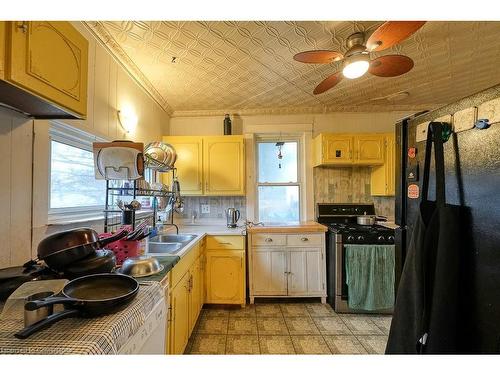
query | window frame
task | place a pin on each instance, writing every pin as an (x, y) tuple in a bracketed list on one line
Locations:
[(74, 137), (300, 180)]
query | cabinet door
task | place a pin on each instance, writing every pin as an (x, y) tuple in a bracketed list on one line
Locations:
[(369, 149), (269, 272), (3, 25), (179, 328), (189, 164), (305, 267), (226, 276), (337, 149), (50, 59), (224, 165), (194, 294)]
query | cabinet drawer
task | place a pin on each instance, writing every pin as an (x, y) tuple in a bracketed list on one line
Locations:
[(305, 240), (225, 242), (268, 239)]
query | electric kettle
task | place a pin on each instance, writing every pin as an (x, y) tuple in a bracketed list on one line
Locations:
[(232, 216)]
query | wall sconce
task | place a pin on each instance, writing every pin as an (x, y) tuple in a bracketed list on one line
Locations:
[(128, 119)]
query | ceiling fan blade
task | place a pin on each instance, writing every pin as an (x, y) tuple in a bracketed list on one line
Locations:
[(391, 33), (318, 56), (390, 65), (328, 83)]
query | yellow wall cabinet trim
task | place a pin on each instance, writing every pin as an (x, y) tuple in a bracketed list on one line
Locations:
[(210, 165), (348, 149), (50, 60), (383, 181)]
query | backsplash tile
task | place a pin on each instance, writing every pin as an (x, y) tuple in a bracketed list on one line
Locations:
[(348, 185), (217, 207)]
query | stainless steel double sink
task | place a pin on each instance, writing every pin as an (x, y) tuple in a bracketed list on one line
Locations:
[(169, 243)]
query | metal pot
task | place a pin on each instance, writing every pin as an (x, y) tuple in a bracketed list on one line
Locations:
[(366, 219), (61, 249)]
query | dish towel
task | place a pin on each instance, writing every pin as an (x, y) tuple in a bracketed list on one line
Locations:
[(370, 276)]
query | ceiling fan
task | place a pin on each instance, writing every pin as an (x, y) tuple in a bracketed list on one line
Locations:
[(357, 59)]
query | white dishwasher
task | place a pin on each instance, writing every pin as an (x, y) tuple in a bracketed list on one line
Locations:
[(151, 337)]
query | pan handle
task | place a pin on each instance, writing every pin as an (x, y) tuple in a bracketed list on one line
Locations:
[(34, 305), (44, 323), (118, 236)]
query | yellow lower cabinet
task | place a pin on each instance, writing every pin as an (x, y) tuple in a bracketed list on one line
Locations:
[(179, 327), (194, 294), (225, 276)]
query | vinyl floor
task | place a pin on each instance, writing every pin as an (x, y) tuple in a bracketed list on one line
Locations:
[(287, 328)]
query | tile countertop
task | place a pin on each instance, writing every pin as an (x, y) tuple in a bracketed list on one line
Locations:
[(298, 227)]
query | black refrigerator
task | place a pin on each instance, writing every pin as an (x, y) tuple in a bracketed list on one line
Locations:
[(472, 168)]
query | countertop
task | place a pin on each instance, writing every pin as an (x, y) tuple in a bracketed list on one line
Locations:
[(299, 227)]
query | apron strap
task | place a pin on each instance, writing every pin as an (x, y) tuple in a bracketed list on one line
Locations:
[(434, 134)]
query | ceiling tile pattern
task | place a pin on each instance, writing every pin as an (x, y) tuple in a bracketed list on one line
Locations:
[(248, 67)]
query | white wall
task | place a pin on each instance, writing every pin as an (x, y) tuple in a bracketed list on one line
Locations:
[(23, 212)]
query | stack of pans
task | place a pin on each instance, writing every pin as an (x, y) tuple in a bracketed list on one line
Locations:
[(77, 252)]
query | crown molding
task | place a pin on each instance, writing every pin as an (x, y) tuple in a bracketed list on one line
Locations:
[(98, 30)]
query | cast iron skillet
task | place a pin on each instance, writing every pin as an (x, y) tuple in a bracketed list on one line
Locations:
[(86, 296), (101, 261), (61, 249)]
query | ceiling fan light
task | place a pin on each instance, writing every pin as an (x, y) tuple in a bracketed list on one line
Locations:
[(355, 69)]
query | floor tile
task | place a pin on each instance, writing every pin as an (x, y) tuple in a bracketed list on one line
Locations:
[(310, 345), (383, 322), (215, 312), (276, 345), (242, 344), (331, 325), (268, 309), (208, 344), (242, 326), (361, 325), (293, 309), (244, 312), (320, 309), (213, 325), (373, 344), (301, 325), (344, 344), (271, 326)]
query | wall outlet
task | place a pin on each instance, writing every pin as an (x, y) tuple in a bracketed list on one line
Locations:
[(205, 208)]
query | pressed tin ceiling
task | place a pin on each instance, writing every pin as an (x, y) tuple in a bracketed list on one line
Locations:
[(248, 67)]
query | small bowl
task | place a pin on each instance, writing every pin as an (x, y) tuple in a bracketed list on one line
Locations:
[(141, 266)]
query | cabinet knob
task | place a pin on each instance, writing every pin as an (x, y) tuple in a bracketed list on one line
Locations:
[(269, 239), (23, 27), (304, 239)]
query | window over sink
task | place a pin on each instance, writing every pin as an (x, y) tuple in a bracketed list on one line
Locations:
[(74, 192), (278, 180)]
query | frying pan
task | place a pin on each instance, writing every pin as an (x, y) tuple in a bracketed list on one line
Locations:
[(61, 249), (101, 261), (86, 296)]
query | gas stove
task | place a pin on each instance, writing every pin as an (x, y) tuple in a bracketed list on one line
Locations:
[(353, 233)]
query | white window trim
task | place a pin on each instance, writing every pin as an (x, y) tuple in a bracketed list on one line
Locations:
[(300, 180), (71, 136)]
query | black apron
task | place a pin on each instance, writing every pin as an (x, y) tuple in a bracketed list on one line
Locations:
[(428, 308)]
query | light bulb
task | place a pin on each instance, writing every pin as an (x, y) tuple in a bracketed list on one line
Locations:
[(355, 69)]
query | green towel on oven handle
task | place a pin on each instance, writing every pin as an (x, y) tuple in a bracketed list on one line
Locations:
[(370, 276)]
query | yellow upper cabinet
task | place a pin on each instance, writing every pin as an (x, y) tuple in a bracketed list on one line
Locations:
[(209, 165), (369, 149), (383, 181), (50, 60), (348, 149), (224, 165), (189, 163)]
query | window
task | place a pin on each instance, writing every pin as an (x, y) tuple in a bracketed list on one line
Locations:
[(73, 187), (278, 181)]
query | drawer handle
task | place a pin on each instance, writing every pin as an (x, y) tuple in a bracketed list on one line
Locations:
[(269, 240), (225, 243), (304, 239)]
